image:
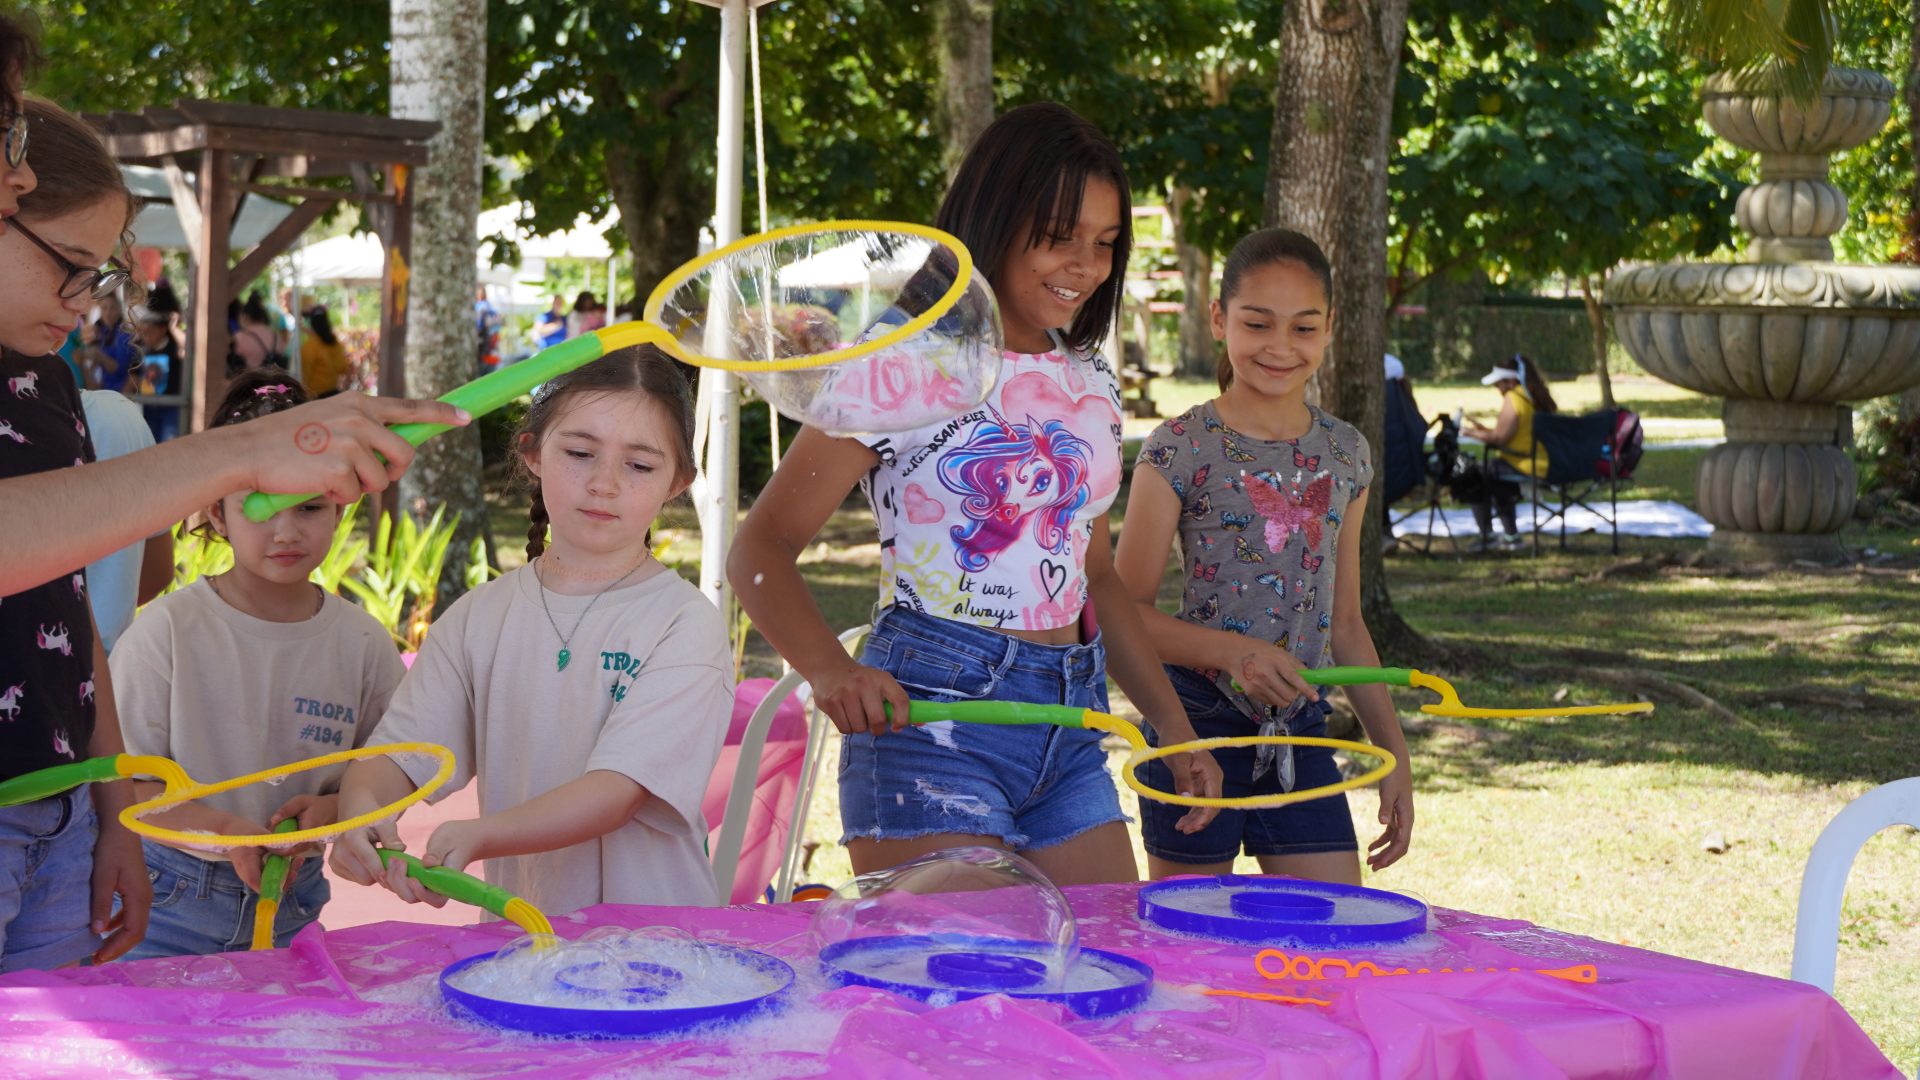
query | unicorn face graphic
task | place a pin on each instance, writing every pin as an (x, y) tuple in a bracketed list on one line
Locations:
[(1008, 475)]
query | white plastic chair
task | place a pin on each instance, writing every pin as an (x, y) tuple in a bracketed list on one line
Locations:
[(753, 741), (1816, 930)]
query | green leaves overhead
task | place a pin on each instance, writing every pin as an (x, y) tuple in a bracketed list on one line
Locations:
[(1521, 162)]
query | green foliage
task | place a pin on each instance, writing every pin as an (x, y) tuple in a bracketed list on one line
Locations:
[(195, 557), (1524, 163), (1788, 43), (1887, 450), (394, 578), (128, 54), (1878, 177), (479, 570), (343, 553), (400, 581), (756, 446)]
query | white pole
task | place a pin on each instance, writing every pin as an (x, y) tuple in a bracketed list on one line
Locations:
[(717, 489)]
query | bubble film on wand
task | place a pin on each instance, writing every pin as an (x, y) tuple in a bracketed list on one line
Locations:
[(852, 327)]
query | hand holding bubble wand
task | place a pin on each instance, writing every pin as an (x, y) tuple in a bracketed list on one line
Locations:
[(1007, 712), (181, 788), (915, 337)]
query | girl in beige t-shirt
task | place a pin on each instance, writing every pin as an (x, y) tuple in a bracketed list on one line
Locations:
[(238, 672), (589, 691)]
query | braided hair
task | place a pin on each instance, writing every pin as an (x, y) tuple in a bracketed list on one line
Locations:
[(640, 369)]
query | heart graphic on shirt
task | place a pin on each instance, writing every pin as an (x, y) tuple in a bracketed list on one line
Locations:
[(923, 509), (1091, 416), (1053, 578)]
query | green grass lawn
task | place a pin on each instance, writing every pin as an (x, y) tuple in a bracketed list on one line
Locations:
[(1599, 825)]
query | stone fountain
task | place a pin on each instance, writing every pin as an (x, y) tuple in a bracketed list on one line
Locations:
[(1788, 336)]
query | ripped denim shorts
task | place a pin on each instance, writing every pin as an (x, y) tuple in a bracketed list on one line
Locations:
[(1028, 786)]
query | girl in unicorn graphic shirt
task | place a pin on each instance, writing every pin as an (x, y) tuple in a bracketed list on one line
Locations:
[(993, 544)]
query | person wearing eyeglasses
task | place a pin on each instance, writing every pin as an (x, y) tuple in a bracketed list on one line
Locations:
[(57, 522), (18, 54)]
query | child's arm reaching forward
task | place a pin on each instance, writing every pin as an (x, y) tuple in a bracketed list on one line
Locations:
[(1353, 644), (369, 784), (585, 809)]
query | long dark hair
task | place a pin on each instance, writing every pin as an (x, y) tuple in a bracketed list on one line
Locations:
[(640, 369), (322, 325), (1536, 384), (1264, 248), (1026, 172)]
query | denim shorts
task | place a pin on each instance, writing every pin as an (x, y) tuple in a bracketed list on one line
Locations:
[(201, 907), (46, 881), (1298, 829), (1029, 786)]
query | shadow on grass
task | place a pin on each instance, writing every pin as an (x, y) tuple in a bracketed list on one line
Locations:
[(1818, 668)]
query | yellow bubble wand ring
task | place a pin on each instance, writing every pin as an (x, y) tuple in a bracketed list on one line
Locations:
[(183, 788), (1020, 712), (659, 327)]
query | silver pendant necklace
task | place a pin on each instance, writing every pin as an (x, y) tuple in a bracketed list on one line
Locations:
[(565, 654)]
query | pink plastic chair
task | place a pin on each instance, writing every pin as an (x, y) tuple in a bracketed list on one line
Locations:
[(760, 768), (756, 842)]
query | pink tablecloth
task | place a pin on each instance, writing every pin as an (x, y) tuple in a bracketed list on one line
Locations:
[(363, 1001)]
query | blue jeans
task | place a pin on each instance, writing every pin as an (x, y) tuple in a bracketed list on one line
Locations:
[(46, 881), (1305, 828), (1029, 786), (201, 907)]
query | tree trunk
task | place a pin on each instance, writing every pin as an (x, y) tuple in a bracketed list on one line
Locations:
[(1597, 322), (663, 202), (442, 342), (964, 31), (1327, 177), (1196, 290)]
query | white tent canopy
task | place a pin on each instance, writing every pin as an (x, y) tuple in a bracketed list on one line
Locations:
[(358, 259), (158, 223)]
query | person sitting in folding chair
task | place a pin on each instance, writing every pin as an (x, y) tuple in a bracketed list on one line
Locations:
[(1513, 459)]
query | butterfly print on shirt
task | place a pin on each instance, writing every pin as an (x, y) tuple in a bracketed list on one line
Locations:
[(1160, 457), (1289, 508), (1244, 551)]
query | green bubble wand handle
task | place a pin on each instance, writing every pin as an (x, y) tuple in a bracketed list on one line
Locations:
[(491, 391), (273, 878), (48, 782), (464, 887)]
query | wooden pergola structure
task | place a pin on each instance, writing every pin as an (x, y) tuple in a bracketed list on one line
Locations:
[(215, 153)]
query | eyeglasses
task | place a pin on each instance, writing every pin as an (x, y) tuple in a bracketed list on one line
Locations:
[(17, 141), (102, 282)]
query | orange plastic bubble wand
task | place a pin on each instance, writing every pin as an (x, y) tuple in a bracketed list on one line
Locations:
[(1303, 968)]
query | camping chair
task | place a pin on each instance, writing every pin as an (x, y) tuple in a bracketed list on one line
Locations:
[(1438, 469), (748, 805), (1816, 928), (1575, 447)]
